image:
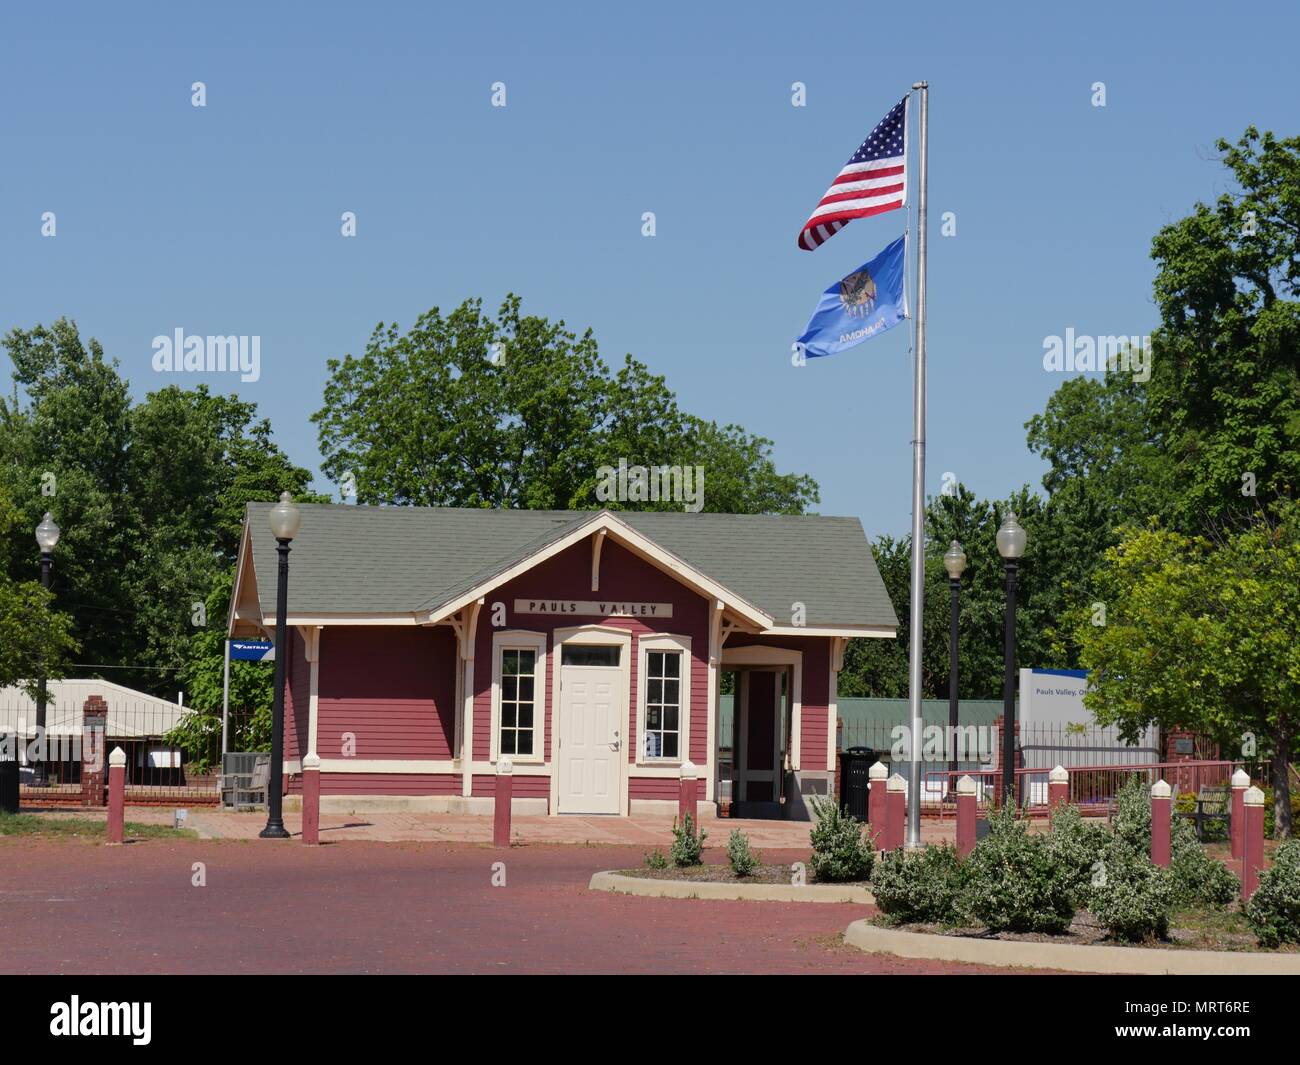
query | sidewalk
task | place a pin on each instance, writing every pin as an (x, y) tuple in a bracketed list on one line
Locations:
[(388, 827)]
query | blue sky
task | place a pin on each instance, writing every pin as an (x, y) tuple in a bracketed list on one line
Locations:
[(225, 219)]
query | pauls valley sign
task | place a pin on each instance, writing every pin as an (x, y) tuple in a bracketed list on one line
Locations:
[(593, 608)]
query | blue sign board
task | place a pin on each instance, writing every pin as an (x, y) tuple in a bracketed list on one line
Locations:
[(252, 651)]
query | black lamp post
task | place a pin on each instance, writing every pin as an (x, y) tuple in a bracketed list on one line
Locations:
[(47, 537), (954, 561), (1011, 546), (284, 518)]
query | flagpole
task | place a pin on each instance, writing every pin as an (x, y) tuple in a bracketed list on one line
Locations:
[(918, 494)]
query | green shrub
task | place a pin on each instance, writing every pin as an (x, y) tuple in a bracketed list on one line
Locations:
[(839, 849), (655, 859), (1270, 818), (1132, 896), (919, 885), (1197, 878), (1133, 814), (742, 857), (1076, 844), (1274, 910), (688, 843), (1013, 881)]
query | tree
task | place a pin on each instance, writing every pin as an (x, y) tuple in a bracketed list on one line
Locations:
[(464, 410), (194, 460), (880, 667), (65, 451), (250, 689), (32, 633), (150, 498), (1204, 633), (1225, 387)]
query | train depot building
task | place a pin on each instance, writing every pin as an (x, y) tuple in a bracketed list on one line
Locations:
[(590, 648)]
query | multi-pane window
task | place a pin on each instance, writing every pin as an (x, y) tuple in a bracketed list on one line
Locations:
[(663, 704), (518, 700)]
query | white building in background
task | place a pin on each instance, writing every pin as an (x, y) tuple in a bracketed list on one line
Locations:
[(1057, 729), (135, 721)]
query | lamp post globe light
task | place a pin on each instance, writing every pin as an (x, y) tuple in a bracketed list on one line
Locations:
[(47, 538), (954, 561), (1011, 546), (284, 518)]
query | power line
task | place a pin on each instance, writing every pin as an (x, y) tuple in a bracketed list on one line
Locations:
[(104, 665)]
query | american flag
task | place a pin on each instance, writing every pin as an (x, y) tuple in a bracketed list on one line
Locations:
[(872, 181)]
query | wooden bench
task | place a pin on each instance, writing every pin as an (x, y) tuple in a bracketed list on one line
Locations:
[(1212, 804), (245, 778)]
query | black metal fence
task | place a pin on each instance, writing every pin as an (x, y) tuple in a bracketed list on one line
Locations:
[(172, 753)]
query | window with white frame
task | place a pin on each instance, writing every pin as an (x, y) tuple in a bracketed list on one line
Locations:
[(518, 695), (665, 707)]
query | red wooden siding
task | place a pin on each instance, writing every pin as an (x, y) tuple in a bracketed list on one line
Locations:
[(392, 687), (623, 576), (655, 788), (523, 787), (390, 783), (297, 697)]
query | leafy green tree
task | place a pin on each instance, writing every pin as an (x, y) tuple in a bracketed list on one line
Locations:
[(880, 667), (65, 450), (32, 633), (150, 499), (250, 689), (465, 410), (1205, 634), (195, 459), (1225, 387)]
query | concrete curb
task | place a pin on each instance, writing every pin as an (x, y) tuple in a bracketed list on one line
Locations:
[(712, 889), (1071, 957)]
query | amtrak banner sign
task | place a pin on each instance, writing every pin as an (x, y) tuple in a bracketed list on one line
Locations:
[(252, 651)]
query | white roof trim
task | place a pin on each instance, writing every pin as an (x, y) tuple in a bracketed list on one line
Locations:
[(245, 554), (884, 632), (622, 533)]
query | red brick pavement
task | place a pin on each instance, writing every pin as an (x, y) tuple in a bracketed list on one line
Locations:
[(354, 907)]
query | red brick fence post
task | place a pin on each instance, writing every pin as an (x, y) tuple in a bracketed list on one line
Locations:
[(965, 816), (94, 729), (688, 794), (116, 795), (895, 812), (1237, 823), (1252, 844), (311, 798), (501, 806), (1161, 816), (876, 777)]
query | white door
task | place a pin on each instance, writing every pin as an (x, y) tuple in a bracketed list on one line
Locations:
[(591, 749)]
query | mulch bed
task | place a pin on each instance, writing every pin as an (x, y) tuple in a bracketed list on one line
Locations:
[(1221, 930), (724, 874)]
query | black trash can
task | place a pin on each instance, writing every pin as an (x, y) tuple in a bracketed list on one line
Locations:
[(855, 780), (9, 786)]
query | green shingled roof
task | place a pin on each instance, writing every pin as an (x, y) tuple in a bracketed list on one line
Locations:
[(360, 560)]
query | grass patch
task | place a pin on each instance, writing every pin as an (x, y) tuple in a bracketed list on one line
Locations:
[(36, 827)]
